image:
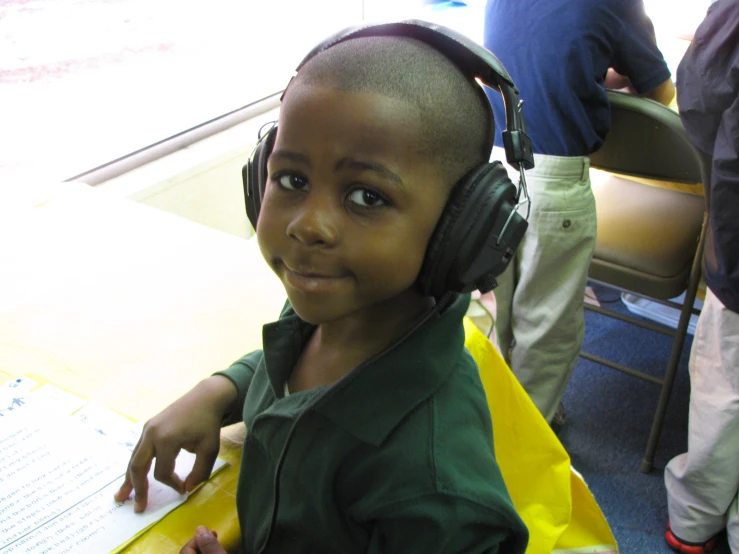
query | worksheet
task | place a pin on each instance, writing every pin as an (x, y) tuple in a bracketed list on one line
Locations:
[(58, 473)]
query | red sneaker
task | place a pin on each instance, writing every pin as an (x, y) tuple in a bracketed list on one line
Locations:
[(685, 547)]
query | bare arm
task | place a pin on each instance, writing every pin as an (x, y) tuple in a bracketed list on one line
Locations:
[(663, 94), (193, 423)]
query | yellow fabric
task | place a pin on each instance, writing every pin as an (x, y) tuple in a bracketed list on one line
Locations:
[(552, 499)]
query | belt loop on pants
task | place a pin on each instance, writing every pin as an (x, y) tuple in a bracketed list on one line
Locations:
[(585, 168)]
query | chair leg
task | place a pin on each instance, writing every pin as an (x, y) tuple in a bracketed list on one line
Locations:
[(677, 347), (669, 379)]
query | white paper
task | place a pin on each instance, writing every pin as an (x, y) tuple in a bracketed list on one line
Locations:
[(13, 393), (58, 476), (18, 393), (98, 524), (106, 422), (54, 400), (47, 465), (19, 384)]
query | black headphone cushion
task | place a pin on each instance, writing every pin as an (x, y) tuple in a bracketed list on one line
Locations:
[(459, 253), (254, 175)]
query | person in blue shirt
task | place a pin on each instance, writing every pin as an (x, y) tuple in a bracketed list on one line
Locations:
[(702, 483), (559, 53)]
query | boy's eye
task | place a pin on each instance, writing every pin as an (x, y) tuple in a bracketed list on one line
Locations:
[(292, 182), (366, 198)]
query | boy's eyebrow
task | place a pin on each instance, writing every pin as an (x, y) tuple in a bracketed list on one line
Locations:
[(371, 166), (291, 156)]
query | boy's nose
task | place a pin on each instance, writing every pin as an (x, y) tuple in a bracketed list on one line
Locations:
[(314, 223)]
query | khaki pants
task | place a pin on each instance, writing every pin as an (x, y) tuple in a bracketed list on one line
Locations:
[(702, 483), (540, 321)]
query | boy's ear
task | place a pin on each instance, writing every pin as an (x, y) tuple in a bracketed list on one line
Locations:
[(476, 236)]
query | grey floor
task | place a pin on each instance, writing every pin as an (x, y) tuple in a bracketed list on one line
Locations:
[(608, 419)]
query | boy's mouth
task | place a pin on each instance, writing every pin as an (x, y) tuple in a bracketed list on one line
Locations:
[(311, 283), (311, 272), (307, 278), (308, 272)]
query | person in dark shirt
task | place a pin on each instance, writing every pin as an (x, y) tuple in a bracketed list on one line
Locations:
[(368, 425), (702, 483), (558, 53)]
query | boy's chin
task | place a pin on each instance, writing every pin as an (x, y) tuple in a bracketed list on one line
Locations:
[(313, 312), (322, 309)]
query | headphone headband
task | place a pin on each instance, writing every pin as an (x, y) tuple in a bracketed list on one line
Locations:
[(480, 228), (471, 58)]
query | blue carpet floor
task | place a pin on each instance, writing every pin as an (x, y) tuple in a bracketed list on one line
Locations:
[(609, 415)]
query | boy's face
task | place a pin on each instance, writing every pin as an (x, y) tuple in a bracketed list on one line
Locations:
[(350, 204)]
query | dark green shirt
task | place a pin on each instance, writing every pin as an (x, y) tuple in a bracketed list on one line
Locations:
[(397, 456)]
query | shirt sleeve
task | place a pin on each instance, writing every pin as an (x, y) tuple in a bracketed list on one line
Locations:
[(240, 373), (707, 84), (708, 98), (725, 202), (636, 54), (441, 522)]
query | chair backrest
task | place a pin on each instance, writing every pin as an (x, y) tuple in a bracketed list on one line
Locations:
[(648, 140)]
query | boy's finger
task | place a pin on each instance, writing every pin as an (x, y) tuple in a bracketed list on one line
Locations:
[(207, 541), (125, 491), (138, 469), (164, 470), (201, 469), (190, 548)]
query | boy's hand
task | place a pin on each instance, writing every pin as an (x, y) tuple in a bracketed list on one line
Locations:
[(205, 541), (193, 423)]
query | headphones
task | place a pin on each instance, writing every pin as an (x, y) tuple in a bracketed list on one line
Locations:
[(480, 227)]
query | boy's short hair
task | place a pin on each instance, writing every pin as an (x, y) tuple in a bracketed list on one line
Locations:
[(457, 125)]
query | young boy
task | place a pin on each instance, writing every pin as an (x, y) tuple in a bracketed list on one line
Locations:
[(368, 426)]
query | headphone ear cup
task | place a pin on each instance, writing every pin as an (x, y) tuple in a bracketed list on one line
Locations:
[(466, 250), (254, 176)]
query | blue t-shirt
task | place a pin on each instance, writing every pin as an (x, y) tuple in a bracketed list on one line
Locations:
[(558, 53)]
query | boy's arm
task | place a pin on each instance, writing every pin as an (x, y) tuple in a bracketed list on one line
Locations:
[(192, 422), (440, 522), (638, 60), (664, 93), (240, 373)]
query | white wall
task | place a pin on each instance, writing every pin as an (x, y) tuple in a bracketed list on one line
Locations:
[(201, 182)]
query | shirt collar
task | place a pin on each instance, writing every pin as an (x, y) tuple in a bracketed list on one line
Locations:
[(371, 400)]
